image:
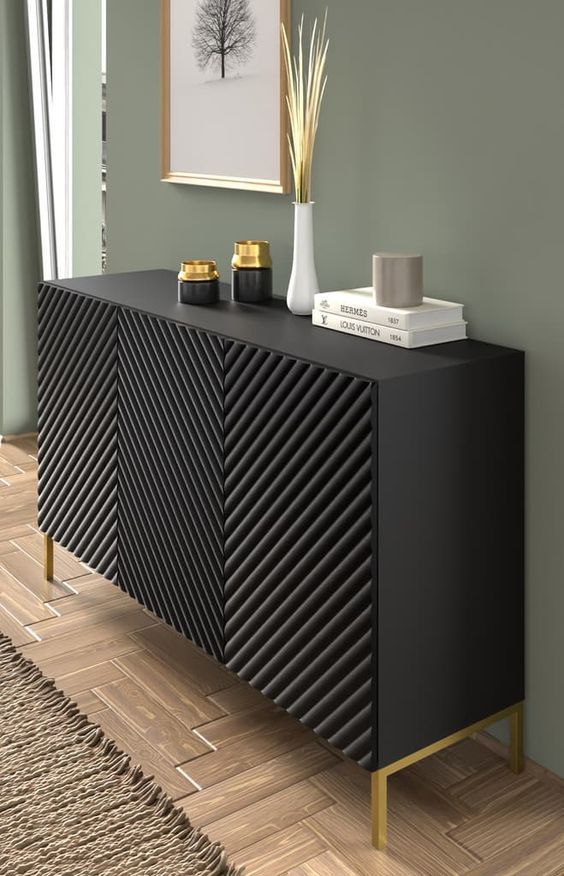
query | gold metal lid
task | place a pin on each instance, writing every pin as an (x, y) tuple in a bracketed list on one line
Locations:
[(251, 254), (196, 270)]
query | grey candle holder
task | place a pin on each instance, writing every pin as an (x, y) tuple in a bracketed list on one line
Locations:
[(398, 279)]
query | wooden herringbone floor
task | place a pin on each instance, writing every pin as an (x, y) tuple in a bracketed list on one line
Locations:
[(280, 801)]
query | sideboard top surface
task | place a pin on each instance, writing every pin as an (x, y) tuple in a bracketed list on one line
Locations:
[(273, 327)]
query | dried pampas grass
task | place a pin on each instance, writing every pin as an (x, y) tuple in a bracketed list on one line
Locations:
[(306, 87)]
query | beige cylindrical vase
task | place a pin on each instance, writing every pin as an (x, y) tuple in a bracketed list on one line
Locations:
[(398, 279)]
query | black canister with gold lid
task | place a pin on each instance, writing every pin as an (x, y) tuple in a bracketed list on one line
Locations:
[(251, 277), (198, 282)]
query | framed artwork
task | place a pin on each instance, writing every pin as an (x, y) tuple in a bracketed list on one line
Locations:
[(224, 117)]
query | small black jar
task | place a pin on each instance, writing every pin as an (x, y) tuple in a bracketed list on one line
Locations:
[(198, 282), (251, 276)]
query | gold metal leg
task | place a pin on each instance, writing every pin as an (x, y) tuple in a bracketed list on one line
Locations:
[(379, 809), (48, 558), (380, 778), (516, 739)]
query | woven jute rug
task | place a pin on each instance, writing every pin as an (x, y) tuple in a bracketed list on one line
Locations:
[(71, 803)]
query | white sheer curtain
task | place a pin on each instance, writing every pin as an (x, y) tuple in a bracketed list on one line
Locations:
[(50, 59)]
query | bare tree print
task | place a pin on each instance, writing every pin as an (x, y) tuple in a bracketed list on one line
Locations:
[(224, 32)]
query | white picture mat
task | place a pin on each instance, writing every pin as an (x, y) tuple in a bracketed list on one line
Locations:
[(228, 127)]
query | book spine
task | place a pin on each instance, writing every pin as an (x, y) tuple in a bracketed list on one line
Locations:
[(366, 314), (341, 305), (361, 329)]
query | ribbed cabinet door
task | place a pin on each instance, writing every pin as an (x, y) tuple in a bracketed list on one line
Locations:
[(77, 425), (298, 555), (171, 474)]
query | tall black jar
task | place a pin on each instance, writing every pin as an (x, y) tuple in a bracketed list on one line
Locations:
[(198, 282), (251, 276)]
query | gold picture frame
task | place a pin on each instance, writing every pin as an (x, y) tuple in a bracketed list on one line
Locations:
[(281, 185)]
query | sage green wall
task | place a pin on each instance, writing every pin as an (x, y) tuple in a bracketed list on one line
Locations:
[(19, 269), (87, 137), (443, 131)]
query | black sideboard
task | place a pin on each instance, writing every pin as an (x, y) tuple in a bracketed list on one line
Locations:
[(338, 521)]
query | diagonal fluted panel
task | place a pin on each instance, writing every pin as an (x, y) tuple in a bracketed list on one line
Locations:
[(171, 474), (77, 425), (298, 555)]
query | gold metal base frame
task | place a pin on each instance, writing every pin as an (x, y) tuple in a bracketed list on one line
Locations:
[(48, 569), (380, 777)]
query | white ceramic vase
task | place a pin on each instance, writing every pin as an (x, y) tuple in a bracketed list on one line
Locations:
[(303, 280)]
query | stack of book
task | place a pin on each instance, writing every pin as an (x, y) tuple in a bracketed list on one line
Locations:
[(356, 313)]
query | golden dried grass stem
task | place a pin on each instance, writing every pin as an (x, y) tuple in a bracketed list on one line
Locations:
[(306, 88)]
